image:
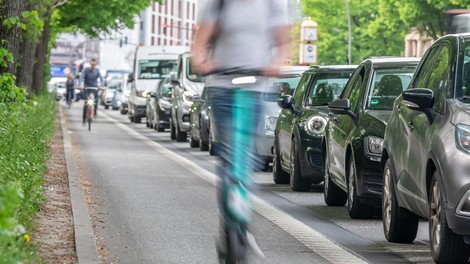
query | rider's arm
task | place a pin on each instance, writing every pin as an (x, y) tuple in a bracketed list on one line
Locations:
[(82, 77)]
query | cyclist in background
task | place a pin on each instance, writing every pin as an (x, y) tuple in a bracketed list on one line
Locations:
[(70, 86), (235, 38), (89, 79)]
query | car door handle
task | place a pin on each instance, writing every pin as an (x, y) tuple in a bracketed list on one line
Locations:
[(398, 108), (411, 125)]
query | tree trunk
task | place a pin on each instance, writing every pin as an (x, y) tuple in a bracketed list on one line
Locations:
[(24, 76), (9, 9), (41, 55)]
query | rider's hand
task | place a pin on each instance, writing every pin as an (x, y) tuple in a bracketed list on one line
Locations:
[(201, 66)]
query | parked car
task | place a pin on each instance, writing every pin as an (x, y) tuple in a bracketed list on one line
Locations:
[(162, 105), (125, 93), (299, 133), (199, 116), (116, 102), (283, 85), (59, 90), (426, 153), (355, 132), (186, 84), (106, 97)]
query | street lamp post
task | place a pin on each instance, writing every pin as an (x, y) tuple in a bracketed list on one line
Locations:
[(349, 31)]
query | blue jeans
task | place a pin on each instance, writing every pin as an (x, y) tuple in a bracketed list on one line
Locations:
[(234, 123)]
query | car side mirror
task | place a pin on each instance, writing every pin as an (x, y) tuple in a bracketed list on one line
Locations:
[(130, 77), (341, 107), (418, 98), (153, 94), (285, 101), (174, 79)]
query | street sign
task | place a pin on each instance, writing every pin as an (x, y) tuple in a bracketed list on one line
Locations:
[(310, 34), (309, 53)]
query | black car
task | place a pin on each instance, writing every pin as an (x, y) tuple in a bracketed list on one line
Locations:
[(355, 131), (160, 118), (426, 153), (199, 118), (299, 133)]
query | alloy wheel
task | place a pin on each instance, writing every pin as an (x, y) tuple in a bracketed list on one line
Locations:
[(326, 180), (292, 162), (435, 219), (387, 200)]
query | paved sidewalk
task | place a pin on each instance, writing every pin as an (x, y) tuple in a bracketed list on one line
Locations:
[(84, 238)]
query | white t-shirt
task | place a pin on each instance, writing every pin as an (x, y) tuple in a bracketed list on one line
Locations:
[(245, 36)]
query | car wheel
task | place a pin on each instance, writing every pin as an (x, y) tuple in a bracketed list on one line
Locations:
[(397, 228), (332, 194), (211, 144), (131, 118), (279, 175), (446, 246), (297, 182), (356, 209), (172, 130), (180, 136), (192, 142)]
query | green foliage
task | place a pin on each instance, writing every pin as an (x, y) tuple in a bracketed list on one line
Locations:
[(378, 26), (5, 57), (97, 16), (26, 127), (33, 24)]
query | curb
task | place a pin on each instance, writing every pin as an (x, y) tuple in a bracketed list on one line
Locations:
[(85, 244)]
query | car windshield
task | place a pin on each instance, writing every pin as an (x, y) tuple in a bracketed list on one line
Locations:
[(283, 85), (387, 85), (155, 69), (190, 74), (464, 94), (326, 87)]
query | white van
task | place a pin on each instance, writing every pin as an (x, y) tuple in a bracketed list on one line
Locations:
[(151, 65)]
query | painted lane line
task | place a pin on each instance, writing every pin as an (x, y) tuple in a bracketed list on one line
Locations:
[(309, 237)]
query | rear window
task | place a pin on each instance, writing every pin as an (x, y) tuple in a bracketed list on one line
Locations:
[(386, 86), (283, 85)]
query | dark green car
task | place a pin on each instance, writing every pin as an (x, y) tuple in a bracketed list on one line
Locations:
[(299, 134), (355, 132)]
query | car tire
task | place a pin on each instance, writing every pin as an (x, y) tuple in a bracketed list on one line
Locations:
[(279, 175), (356, 209), (210, 144), (180, 136), (192, 142), (446, 246), (397, 229), (131, 118), (172, 130), (332, 194), (297, 182)]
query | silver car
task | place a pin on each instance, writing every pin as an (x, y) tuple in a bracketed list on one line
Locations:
[(284, 84)]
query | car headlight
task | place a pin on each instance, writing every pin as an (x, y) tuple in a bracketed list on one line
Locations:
[(315, 125), (373, 147), (187, 96), (270, 125), (462, 137)]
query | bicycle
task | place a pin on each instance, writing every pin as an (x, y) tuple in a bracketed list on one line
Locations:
[(90, 104), (235, 238)]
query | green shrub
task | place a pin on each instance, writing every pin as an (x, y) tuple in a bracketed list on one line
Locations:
[(26, 128)]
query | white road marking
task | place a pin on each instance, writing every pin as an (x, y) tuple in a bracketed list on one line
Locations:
[(312, 239)]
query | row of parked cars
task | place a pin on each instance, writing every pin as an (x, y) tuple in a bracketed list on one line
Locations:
[(389, 137), (393, 137)]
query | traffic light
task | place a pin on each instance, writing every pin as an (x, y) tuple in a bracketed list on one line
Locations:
[(165, 26)]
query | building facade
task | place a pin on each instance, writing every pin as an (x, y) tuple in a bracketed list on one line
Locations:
[(172, 23)]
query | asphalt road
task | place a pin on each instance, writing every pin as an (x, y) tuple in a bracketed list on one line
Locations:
[(153, 200)]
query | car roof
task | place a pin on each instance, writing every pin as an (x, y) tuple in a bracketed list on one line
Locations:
[(330, 68), (392, 61), (293, 69)]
